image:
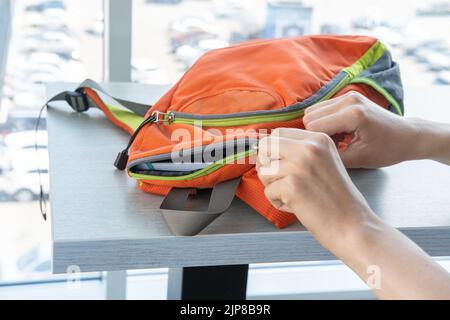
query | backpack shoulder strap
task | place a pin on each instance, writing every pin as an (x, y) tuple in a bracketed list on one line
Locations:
[(127, 115), (183, 220)]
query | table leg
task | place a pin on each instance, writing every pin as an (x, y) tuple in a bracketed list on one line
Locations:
[(211, 282), (116, 285)]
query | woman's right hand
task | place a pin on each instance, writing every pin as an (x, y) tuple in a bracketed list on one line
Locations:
[(381, 138)]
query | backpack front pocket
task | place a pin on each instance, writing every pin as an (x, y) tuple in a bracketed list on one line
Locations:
[(191, 163)]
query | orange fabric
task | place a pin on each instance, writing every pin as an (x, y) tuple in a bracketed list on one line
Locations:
[(257, 75), (94, 96), (251, 191), (155, 189), (282, 72), (290, 70)]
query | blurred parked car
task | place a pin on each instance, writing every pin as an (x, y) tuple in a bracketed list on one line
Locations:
[(51, 21), (188, 54), (42, 78), (63, 69), (388, 35), (98, 26), (21, 119), (189, 38), (22, 185), (165, 1), (64, 46), (185, 24), (412, 45), (37, 32), (22, 165), (367, 23), (148, 71), (435, 9), (3, 195), (45, 5), (35, 261), (28, 99), (329, 28), (50, 26), (424, 48), (227, 8), (443, 78), (7, 91), (26, 139), (24, 70), (437, 61), (36, 58), (31, 262), (435, 54), (65, 53), (51, 36)]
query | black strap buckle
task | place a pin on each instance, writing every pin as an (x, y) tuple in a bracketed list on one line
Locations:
[(77, 100)]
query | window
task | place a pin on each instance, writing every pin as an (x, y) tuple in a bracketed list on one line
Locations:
[(169, 36), (45, 41)]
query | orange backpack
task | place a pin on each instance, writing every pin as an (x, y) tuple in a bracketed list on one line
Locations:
[(223, 104)]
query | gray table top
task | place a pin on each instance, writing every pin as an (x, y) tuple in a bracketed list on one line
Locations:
[(101, 221)]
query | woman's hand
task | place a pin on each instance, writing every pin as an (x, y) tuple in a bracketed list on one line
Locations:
[(381, 138), (303, 174)]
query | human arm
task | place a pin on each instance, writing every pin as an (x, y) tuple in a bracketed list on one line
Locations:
[(303, 174)]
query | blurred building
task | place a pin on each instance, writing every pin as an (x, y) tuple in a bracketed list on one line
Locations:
[(287, 18)]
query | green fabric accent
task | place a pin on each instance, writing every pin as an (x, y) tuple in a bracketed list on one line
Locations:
[(337, 88), (368, 59), (203, 172), (129, 118), (238, 121), (382, 91)]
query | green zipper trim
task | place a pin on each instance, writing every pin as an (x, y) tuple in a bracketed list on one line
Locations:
[(247, 120), (207, 170), (381, 90), (238, 121), (367, 60), (344, 82)]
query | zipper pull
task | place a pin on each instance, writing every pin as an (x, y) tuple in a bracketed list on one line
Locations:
[(163, 117), (122, 158)]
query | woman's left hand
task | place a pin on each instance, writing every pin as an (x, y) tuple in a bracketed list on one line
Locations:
[(303, 174)]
